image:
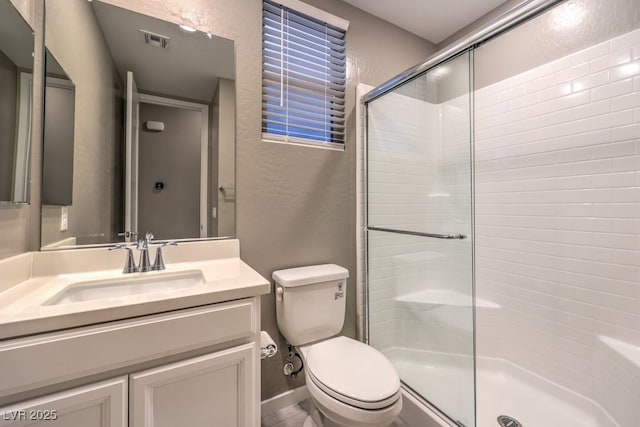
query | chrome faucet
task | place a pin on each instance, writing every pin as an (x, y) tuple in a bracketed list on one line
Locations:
[(130, 264), (159, 262), (143, 247)]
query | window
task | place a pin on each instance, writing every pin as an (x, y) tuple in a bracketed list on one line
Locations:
[(303, 74)]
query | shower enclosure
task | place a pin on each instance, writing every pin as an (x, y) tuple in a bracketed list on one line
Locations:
[(503, 221), (420, 234)]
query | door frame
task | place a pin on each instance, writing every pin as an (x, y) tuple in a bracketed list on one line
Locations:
[(21, 191), (203, 109), (132, 119)]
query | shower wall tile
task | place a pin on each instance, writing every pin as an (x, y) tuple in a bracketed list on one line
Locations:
[(557, 167)]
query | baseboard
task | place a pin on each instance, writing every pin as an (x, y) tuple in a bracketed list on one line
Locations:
[(288, 398)]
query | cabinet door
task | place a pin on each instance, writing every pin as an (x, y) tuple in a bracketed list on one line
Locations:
[(218, 389), (101, 404)]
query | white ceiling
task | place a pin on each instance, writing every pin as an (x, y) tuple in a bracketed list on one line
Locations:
[(433, 20)]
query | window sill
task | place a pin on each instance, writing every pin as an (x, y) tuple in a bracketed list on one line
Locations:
[(303, 143)]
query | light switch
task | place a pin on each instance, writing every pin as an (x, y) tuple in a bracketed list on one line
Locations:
[(64, 218)]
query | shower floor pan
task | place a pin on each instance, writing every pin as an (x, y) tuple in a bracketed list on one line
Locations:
[(503, 389)]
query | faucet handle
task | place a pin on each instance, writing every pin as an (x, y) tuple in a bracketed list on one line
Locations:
[(143, 244), (143, 247), (130, 264), (158, 264)]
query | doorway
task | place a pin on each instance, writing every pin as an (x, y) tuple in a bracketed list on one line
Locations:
[(172, 168)]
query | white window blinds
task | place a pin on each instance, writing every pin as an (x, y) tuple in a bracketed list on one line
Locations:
[(303, 77)]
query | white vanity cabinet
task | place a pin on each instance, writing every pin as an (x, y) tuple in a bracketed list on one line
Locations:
[(102, 404), (143, 380)]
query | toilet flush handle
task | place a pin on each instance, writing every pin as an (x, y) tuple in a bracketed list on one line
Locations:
[(279, 293)]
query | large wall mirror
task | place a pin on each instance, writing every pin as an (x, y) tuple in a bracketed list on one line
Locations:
[(140, 131), (16, 99)]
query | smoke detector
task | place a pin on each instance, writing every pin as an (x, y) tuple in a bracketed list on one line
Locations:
[(155, 40)]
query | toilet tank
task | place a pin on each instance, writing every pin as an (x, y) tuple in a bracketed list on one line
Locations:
[(310, 302)]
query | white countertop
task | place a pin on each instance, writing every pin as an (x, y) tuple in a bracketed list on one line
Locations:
[(24, 309)]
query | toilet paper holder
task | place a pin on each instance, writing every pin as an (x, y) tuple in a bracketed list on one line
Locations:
[(268, 347)]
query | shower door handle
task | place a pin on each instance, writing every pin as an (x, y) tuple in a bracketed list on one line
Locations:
[(417, 233)]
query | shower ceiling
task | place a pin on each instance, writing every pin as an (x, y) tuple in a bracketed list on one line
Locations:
[(433, 20)]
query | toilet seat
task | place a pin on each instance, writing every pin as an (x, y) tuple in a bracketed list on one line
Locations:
[(359, 404), (352, 372), (343, 414)]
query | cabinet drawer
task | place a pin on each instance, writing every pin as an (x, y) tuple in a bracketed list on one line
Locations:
[(34, 362)]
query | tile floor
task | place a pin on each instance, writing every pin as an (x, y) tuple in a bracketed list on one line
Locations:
[(303, 414)]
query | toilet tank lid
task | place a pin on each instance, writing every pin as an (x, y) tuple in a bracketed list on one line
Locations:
[(301, 276)]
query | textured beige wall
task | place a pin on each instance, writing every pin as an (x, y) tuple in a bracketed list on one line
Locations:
[(81, 50), (19, 224), (295, 205), (14, 230), (50, 225)]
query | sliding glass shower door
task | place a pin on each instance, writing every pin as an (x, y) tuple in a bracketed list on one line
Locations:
[(419, 235)]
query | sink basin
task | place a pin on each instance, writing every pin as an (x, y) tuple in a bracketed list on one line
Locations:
[(124, 286)]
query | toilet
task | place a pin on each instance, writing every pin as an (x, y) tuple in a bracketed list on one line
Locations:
[(351, 383)]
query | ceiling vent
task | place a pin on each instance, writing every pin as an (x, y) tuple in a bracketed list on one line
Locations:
[(155, 40)]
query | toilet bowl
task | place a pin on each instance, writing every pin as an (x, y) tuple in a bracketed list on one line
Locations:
[(351, 383)]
